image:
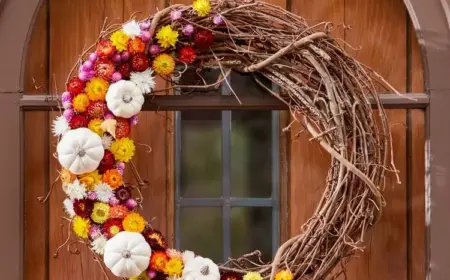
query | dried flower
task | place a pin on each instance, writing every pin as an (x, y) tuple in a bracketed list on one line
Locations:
[(83, 207), (122, 128), (106, 163), (125, 70), (68, 114), (95, 126), (92, 195), (123, 149), (282, 275), (132, 29), (136, 46), (105, 48), (113, 178), (118, 212), (98, 244), (75, 86), (175, 14), (218, 19), (100, 213), (158, 261), (78, 121), (167, 37), (123, 194), (80, 103), (75, 190), (174, 267), (204, 39), (139, 62), (60, 126), (91, 179), (66, 96), (144, 80), (154, 50), (81, 226), (131, 204), (96, 89), (68, 207), (134, 120), (133, 222), (164, 64), (187, 54), (106, 142), (104, 192), (96, 109), (114, 201), (188, 29), (253, 276), (104, 68), (155, 239), (112, 227), (202, 7)]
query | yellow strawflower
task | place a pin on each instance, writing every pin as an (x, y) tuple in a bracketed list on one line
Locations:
[(253, 276), (123, 149), (96, 126), (120, 40), (164, 64), (167, 37), (284, 275), (81, 226), (100, 213), (80, 102), (202, 7), (96, 89), (90, 179), (134, 222), (174, 267)]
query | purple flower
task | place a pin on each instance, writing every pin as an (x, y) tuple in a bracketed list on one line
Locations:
[(66, 96), (68, 114), (114, 201), (151, 274), (92, 195), (145, 36), (134, 120), (95, 231), (154, 50), (218, 19), (125, 56), (84, 76), (144, 25), (175, 15), (93, 57), (87, 66), (67, 105), (131, 204), (188, 29), (116, 77), (109, 115)]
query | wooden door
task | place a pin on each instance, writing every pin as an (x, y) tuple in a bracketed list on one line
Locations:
[(378, 33)]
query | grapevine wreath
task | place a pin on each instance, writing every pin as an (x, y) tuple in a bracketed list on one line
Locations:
[(326, 90)]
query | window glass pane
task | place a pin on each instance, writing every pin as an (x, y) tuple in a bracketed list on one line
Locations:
[(251, 154), (201, 231), (245, 84), (196, 76), (251, 229), (201, 154)]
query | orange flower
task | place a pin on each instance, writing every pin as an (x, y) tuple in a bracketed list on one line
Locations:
[(113, 178), (158, 261), (136, 45), (66, 176), (118, 211)]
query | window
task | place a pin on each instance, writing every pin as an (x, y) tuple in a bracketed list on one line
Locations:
[(227, 173)]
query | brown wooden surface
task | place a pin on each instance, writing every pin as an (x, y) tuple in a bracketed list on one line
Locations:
[(389, 246)]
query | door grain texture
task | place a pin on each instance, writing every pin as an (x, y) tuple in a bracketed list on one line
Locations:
[(379, 34)]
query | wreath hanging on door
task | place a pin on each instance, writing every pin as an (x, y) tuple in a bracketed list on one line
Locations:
[(326, 90)]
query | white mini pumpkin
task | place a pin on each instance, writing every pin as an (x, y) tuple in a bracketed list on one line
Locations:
[(80, 151), (124, 99), (200, 268), (127, 254)]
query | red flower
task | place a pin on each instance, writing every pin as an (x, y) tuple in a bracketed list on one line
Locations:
[(75, 86), (155, 239), (112, 227), (122, 128), (96, 109), (187, 54), (158, 261), (83, 207), (105, 48), (104, 68), (136, 45), (203, 39), (139, 62), (230, 276), (125, 70), (78, 121), (123, 194), (107, 162)]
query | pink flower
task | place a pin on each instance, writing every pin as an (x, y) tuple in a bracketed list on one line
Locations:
[(116, 76), (144, 25), (66, 96), (134, 120), (109, 116), (68, 114), (154, 50), (93, 57), (188, 29), (114, 201), (218, 19), (175, 15), (92, 195), (67, 105), (131, 204), (95, 231)]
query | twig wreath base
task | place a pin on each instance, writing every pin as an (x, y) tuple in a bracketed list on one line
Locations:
[(326, 90)]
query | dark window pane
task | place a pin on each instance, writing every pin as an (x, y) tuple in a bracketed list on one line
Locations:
[(251, 229), (201, 154), (251, 154), (245, 84), (200, 77), (201, 231)]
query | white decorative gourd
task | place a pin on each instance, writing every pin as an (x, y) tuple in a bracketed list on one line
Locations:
[(124, 99), (200, 268), (80, 151), (127, 254)]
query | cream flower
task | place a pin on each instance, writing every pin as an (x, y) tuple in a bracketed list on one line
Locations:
[(76, 190), (60, 126), (98, 244), (68, 207), (144, 80), (107, 141), (132, 29), (104, 192)]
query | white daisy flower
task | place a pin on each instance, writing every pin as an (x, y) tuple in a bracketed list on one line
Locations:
[(187, 256), (68, 207), (76, 190), (132, 29), (107, 141), (144, 80), (98, 244), (104, 192), (60, 126)]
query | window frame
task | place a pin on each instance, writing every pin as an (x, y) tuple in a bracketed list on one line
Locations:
[(226, 201)]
